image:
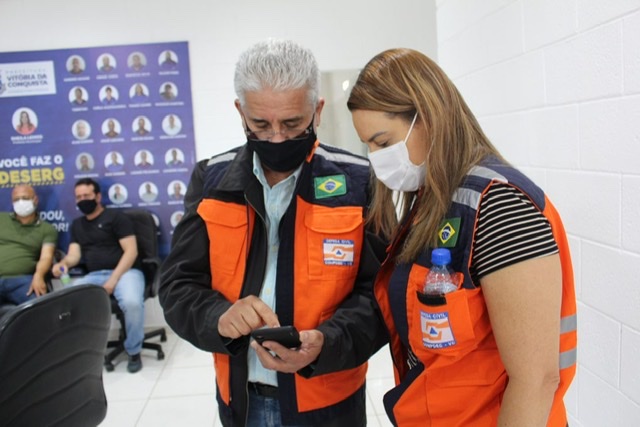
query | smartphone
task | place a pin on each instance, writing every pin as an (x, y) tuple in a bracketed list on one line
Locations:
[(284, 335)]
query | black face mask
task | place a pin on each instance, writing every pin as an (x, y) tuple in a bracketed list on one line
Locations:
[(87, 206), (284, 156)]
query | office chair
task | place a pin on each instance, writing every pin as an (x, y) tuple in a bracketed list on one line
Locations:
[(147, 241), (6, 307), (51, 354)]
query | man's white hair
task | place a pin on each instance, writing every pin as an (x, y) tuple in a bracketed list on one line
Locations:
[(279, 65)]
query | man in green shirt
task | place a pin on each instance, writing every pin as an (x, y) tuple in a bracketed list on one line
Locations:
[(27, 245)]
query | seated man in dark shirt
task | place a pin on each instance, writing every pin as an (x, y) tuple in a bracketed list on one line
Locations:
[(104, 239)]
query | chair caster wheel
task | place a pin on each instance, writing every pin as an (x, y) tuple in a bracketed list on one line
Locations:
[(161, 355), (109, 366), (163, 337)]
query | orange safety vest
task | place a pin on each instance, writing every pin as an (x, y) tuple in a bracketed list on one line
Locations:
[(328, 242), (460, 378)]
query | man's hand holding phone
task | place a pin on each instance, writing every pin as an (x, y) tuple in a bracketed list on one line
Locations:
[(244, 316), (286, 336), (294, 355)]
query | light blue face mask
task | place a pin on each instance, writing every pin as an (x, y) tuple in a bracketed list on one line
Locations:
[(393, 167)]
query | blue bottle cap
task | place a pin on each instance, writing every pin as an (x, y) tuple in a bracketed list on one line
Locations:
[(441, 256)]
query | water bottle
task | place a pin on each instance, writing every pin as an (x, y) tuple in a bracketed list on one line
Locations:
[(65, 279), (439, 280)]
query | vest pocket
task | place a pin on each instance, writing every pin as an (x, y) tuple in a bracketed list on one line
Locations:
[(227, 229), (440, 327), (334, 237), (478, 380)]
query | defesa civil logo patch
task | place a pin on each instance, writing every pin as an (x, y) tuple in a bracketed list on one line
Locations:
[(337, 251)]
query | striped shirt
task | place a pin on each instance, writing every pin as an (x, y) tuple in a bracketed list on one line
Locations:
[(510, 229)]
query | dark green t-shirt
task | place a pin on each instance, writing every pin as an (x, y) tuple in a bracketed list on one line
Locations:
[(20, 245)]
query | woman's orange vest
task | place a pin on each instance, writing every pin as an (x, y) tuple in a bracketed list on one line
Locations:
[(460, 381)]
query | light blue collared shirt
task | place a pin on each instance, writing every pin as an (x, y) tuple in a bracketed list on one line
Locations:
[(276, 201)]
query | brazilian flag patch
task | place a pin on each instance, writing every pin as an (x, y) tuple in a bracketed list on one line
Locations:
[(448, 232), (329, 186)]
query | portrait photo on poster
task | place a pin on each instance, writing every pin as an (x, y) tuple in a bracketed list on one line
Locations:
[(148, 192), (113, 161), (174, 157), (168, 91), (118, 193), (176, 189), (25, 121), (85, 162), (81, 130), (109, 95), (141, 126), (78, 96), (168, 60), (76, 64), (171, 124), (111, 128), (143, 159), (137, 61), (176, 217), (139, 92), (106, 63)]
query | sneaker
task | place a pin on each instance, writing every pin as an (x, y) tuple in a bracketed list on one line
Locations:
[(135, 363)]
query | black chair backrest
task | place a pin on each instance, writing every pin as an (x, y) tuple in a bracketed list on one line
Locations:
[(51, 356), (147, 241)]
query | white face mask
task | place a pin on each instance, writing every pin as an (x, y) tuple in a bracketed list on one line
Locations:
[(394, 168), (24, 207)]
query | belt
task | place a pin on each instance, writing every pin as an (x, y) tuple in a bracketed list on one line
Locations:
[(264, 390)]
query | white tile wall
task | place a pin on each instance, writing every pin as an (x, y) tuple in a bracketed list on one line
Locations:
[(547, 21), (611, 283), (455, 16), (630, 366), (576, 257), (508, 133), (565, 111), (588, 66), (588, 202), (599, 340), (507, 87), (631, 40), (552, 137), (592, 13), (483, 44), (630, 216), (601, 404), (609, 133)]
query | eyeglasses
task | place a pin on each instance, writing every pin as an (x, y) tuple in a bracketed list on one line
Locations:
[(287, 133)]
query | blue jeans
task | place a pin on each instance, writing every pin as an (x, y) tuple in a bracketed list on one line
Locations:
[(14, 289), (129, 293), (263, 411)]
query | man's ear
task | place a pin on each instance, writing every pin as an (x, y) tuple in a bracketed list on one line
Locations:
[(318, 112), (242, 117)]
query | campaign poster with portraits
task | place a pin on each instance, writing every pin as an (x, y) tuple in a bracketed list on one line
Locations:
[(121, 115)]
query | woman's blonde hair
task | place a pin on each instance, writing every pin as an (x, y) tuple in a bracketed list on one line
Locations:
[(401, 82)]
